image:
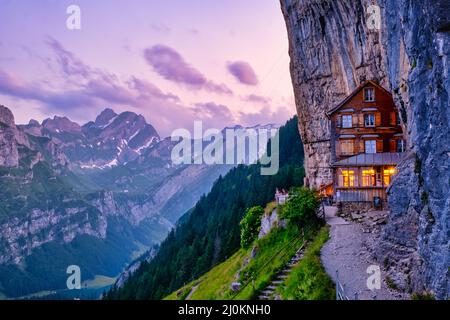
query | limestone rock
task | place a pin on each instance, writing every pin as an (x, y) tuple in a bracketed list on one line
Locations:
[(9, 154), (332, 51)]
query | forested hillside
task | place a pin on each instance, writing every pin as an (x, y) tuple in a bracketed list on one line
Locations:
[(209, 233)]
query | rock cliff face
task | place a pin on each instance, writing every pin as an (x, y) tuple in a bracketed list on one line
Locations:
[(332, 51), (10, 139)]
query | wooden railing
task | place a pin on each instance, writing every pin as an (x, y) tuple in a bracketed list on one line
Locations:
[(340, 290), (298, 241), (320, 212)]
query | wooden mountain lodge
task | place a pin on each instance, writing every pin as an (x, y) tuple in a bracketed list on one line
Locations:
[(366, 144)]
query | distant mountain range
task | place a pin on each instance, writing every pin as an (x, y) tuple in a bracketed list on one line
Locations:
[(96, 195), (108, 141)]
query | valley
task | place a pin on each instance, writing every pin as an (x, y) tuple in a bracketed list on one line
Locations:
[(110, 191)]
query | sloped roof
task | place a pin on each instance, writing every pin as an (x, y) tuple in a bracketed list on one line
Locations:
[(371, 159), (358, 89)]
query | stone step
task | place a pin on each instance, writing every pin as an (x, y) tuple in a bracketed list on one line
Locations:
[(276, 282), (271, 287), (282, 276), (267, 292), (263, 298)]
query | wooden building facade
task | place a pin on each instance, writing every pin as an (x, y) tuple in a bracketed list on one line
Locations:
[(366, 144)]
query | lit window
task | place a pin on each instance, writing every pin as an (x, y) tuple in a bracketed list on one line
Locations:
[(401, 146), (369, 94), (368, 177), (387, 175), (370, 146), (348, 178), (369, 120), (346, 121)]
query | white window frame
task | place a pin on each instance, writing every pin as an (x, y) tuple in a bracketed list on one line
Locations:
[(347, 121), (370, 146), (372, 116), (401, 143), (369, 98)]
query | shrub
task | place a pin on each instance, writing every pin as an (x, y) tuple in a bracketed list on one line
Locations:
[(250, 225), (422, 296), (301, 206)]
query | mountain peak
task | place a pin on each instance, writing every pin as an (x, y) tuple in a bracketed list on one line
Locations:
[(6, 116), (61, 124), (33, 123), (105, 116)]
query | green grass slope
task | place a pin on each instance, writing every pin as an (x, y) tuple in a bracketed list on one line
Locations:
[(307, 281)]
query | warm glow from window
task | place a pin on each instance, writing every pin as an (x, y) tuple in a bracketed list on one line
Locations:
[(387, 175), (348, 178), (368, 177)]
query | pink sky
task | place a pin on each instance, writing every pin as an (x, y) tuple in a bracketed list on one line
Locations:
[(173, 61)]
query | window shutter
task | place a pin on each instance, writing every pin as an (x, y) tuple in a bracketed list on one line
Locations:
[(393, 145), (355, 120), (377, 119), (339, 121), (393, 119), (361, 120), (361, 146), (338, 148), (379, 146)]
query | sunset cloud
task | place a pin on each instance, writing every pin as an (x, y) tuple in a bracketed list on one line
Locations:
[(243, 72), (278, 116), (257, 99), (169, 64), (69, 64)]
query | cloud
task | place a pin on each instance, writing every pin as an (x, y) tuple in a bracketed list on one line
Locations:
[(69, 63), (91, 91), (192, 31), (266, 115), (243, 72), (79, 91), (257, 99), (169, 64), (148, 89), (220, 114), (12, 85), (160, 28)]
